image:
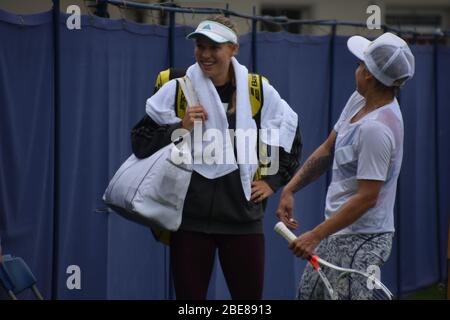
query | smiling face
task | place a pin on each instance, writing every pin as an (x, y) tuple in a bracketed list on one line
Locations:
[(214, 58)]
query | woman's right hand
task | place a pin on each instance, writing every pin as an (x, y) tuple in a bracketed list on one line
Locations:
[(194, 113), (286, 209)]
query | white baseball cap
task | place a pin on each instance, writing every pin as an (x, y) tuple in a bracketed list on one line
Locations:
[(215, 31), (388, 57)]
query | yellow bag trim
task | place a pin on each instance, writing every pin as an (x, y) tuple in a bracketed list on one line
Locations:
[(255, 90), (181, 103), (163, 77), (162, 235)]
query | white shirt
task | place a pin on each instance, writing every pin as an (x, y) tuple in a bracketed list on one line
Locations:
[(369, 149)]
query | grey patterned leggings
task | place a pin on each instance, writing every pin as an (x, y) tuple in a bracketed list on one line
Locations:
[(355, 251)]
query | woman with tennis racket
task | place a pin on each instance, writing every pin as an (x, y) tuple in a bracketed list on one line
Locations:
[(365, 151)]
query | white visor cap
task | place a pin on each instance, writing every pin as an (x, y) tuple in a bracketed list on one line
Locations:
[(388, 57), (215, 31)]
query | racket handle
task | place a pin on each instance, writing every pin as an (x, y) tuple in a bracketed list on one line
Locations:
[(281, 228)]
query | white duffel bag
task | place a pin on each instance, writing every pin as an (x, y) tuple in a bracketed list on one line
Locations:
[(151, 191)]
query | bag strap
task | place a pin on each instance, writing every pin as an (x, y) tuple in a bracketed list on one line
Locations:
[(189, 94)]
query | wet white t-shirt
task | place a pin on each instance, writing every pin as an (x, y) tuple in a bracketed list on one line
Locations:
[(369, 149)]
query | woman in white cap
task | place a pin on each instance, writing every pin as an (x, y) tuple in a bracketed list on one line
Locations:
[(224, 206), (365, 151)]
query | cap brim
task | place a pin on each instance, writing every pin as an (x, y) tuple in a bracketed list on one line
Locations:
[(213, 36), (357, 45)]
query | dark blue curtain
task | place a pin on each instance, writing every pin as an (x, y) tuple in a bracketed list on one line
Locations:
[(417, 188), (107, 71), (27, 141), (286, 60)]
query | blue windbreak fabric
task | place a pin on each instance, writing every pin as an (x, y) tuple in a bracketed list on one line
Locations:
[(27, 142)]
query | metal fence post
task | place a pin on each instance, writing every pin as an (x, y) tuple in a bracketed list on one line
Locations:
[(436, 153), (330, 88), (171, 38), (56, 132), (253, 44)]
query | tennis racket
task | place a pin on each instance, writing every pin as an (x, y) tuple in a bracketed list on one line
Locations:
[(376, 289)]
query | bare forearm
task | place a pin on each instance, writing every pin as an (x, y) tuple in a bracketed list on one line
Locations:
[(351, 211), (316, 165)]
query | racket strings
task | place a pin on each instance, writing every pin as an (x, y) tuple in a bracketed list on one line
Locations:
[(359, 287)]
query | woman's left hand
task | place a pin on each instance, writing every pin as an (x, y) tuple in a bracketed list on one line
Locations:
[(260, 191), (304, 245)]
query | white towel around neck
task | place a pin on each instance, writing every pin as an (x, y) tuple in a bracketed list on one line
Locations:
[(217, 119), (278, 115)]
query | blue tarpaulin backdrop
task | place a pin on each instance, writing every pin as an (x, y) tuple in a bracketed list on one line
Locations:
[(56, 163)]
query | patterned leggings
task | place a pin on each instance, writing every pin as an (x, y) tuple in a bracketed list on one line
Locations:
[(355, 251)]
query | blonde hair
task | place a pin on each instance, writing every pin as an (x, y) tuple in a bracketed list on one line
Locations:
[(227, 22)]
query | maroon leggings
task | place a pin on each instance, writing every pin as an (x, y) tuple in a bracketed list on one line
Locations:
[(241, 258)]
